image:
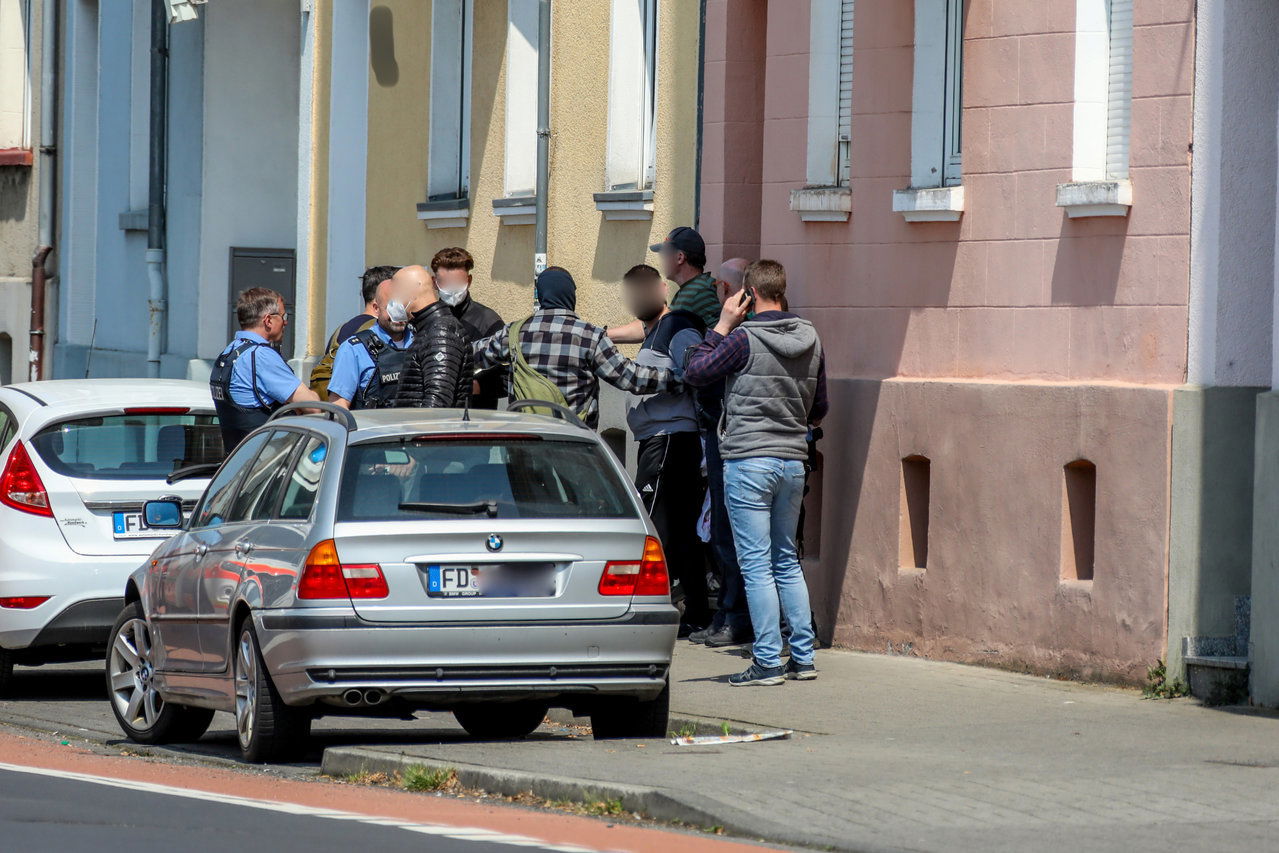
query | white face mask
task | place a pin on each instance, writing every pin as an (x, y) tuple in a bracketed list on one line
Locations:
[(396, 310), (452, 298)]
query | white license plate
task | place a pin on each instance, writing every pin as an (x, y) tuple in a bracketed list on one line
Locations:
[(449, 581), (129, 525)]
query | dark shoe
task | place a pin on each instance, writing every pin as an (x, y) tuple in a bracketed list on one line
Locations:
[(760, 676), (800, 671), (687, 628), (699, 637), (724, 637)]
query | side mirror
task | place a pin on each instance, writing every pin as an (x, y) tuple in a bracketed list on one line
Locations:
[(162, 514)]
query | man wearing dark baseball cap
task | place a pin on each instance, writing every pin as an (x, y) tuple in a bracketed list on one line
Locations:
[(683, 261)]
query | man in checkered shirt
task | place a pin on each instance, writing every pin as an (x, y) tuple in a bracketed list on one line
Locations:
[(571, 353)]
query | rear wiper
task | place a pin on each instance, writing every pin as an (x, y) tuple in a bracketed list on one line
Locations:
[(206, 469), (487, 507)]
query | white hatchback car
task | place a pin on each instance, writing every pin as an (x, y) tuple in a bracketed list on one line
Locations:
[(77, 460)]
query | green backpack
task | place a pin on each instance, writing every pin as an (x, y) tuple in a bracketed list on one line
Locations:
[(527, 383)]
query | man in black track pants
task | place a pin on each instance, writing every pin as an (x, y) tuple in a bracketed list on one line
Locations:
[(668, 471)]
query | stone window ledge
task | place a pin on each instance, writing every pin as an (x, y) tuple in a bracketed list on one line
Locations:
[(516, 210), (930, 204), (625, 204), (16, 157), (445, 213), (1095, 198), (822, 204)]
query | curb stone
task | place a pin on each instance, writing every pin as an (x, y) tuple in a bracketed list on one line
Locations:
[(683, 807)]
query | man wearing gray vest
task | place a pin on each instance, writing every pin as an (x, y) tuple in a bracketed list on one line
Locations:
[(775, 388)]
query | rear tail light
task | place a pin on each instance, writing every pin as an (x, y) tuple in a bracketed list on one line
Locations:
[(647, 576), (325, 576), (20, 485), (23, 602)]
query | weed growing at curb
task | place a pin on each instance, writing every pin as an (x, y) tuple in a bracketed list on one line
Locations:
[(1159, 687), (726, 729), (419, 778)]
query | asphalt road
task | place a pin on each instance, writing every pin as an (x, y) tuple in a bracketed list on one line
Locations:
[(68, 814)]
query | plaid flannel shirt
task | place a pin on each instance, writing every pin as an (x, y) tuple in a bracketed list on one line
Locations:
[(574, 355)]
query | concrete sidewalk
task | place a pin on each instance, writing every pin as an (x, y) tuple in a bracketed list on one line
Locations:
[(897, 753)]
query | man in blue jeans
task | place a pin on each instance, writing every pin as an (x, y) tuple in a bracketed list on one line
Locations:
[(775, 387)]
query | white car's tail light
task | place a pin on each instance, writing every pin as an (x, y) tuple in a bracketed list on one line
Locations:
[(23, 602), (647, 576), (20, 485), (325, 576)]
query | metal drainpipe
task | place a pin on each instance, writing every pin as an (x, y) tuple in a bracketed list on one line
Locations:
[(156, 303), (543, 132), (48, 174)]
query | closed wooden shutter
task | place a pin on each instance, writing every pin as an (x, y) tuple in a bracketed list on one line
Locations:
[(1119, 94)]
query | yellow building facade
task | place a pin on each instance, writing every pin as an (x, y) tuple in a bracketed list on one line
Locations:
[(452, 139)]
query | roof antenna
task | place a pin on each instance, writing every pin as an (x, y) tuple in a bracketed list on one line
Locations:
[(466, 407)]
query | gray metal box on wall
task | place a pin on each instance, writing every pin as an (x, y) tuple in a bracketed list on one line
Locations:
[(274, 269)]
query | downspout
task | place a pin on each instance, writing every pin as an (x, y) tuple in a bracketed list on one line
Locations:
[(543, 132), (701, 93), (48, 173), (156, 304)]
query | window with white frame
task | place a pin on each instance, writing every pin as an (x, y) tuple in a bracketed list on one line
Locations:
[(632, 96), (830, 92), (1103, 89), (936, 191), (449, 141), (1102, 110), (520, 176), (15, 70)]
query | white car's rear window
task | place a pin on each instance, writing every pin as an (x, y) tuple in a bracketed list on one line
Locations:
[(129, 446), (497, 477)]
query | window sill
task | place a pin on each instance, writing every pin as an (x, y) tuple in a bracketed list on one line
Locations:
[(1095, 198), (930, 204), (15, 157), (134, 220), (516, 210), (625, 204), (822, 204), (447, 213)]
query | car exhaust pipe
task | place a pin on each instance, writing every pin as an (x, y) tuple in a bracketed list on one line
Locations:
[(353, 697), (373, 697)]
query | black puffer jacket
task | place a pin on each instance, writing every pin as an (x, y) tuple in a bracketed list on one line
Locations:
[(429, 381)]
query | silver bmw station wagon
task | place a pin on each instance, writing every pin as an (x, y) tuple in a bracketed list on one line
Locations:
[(493, 565)]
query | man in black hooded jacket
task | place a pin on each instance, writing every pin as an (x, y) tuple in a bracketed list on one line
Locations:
[(438, 370)]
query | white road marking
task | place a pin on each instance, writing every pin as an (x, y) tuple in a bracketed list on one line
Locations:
[(457, 833)]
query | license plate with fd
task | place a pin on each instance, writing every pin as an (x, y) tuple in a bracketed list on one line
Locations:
[(450, 581), (129, 525)]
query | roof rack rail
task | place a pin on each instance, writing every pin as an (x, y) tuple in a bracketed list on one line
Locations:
[(564, 412), (332, 411)]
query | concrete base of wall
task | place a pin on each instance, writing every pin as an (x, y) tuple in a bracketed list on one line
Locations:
[(992, 589), (1264, 635), (1210, 548)]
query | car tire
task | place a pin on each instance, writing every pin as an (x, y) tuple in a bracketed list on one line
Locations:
[(266, 728), (501, 720), (6, 673), (141, 712), (632, 718)]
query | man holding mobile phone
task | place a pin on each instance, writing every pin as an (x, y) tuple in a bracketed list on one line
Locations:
[(775, 387)]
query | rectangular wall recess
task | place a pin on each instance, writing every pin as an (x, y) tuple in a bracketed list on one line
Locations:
[(1078, 520), (915, 489)]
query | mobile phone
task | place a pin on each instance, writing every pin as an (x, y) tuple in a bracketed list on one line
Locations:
[(748, 297)]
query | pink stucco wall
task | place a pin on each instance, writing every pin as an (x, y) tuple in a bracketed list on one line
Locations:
[(1002, 346)]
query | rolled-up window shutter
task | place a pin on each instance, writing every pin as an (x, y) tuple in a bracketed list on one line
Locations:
[(1119, 94), (845, 88)]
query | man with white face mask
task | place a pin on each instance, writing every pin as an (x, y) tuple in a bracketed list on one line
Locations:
[(437, 370), (452, 271), (366, 370)]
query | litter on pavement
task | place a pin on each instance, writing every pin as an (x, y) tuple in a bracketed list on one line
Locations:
[(707, 740)]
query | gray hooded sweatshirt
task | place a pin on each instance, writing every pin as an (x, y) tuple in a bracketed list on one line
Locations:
[(766, 405)]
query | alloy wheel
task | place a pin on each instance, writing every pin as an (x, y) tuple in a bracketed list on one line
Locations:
[(246, 688), (132, 673)]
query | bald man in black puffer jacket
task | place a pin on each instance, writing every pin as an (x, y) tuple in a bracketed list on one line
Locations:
[(438, 370)]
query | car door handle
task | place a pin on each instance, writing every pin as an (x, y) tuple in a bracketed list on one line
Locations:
[(243, 547), (201, 550)]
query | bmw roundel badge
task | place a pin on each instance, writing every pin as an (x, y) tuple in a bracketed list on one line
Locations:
[(494, 542)]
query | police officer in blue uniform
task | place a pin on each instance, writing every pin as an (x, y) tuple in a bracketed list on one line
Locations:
[(366, 369), (250, 379)]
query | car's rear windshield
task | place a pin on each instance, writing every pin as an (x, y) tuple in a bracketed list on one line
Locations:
[(129, 446), (500, 477)]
